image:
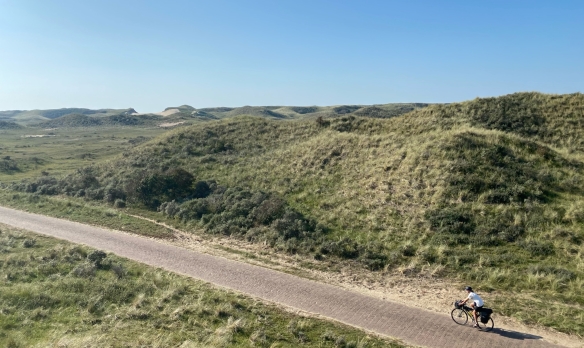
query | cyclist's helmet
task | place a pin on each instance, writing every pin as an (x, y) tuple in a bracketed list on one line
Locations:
[(468, 288)]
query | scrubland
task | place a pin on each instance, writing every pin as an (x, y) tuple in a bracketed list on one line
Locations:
[(488, 191)]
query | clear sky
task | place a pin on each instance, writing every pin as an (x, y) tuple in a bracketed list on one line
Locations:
[(153, 54)]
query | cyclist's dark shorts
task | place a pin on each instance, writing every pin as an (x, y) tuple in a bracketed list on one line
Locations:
[(479, 309)]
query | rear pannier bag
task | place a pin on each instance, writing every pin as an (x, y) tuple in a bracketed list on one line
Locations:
[(485, 315)]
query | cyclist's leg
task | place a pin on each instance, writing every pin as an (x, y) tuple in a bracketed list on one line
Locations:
[(474, 313)]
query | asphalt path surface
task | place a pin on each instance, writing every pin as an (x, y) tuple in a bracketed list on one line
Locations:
[(413, 326)]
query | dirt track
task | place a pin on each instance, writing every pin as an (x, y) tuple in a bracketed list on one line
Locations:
[(412, 325)]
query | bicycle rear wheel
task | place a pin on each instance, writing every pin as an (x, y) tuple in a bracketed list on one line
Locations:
[(459, 316), (487, 326)]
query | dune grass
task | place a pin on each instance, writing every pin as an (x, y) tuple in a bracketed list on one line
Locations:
[(58, 294), (488, 191)]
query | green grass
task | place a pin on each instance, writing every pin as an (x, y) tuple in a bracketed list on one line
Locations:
[(82, 211), (64, 150), (489, 192), (55, 293)]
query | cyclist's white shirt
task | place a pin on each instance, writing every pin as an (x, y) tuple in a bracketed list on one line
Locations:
[(476, 299)]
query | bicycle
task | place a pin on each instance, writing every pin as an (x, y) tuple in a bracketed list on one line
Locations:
[(460, 315)]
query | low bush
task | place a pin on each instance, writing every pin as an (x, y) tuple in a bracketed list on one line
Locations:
[(96, 257), (8, 165), (157, 187), (85, 270), (29, 243), (252, 215)]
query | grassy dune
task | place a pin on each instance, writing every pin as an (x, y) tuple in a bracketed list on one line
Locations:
[(489, 191), (59, 294)]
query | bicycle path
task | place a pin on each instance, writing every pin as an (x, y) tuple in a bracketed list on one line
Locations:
[(413, 326)]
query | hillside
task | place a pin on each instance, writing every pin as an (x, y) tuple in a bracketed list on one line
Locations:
[(9, 125), (490, 191), (77, 120), (182, 108), (35, 116), (73, 120)]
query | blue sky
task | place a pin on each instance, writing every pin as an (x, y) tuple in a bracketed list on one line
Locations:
[(153, 54)]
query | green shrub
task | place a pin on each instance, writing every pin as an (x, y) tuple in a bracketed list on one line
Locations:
[(8, 165), (29, 243), (85, 270), (96, 257), (161, 187)]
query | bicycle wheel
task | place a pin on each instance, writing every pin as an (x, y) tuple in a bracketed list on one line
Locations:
[(459, 316), (488, 326)]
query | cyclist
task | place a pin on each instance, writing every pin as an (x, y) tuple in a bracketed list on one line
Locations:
[(476, 305)]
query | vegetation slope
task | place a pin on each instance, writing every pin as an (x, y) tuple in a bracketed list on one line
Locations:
[(489, 191), (80, 120)]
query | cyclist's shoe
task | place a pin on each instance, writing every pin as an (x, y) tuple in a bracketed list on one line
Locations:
[(476, 326)]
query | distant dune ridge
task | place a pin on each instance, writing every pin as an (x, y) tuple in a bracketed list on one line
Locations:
[(35, 116), (79, 117)]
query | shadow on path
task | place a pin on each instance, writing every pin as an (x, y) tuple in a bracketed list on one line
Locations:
[(515, 334)]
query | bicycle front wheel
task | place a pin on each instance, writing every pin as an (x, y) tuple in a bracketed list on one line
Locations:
[(488, 326), (459, 316)]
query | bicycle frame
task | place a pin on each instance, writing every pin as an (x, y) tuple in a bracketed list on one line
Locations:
[(468, 312)]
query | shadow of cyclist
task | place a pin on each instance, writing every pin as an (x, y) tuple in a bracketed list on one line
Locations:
[(515, 334)]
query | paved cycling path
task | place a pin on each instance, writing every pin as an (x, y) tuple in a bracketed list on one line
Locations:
[(412, 325)]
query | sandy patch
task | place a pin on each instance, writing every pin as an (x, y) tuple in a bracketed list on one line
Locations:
[(167, 125), (38, 135), (168, 112), (163, 113)]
